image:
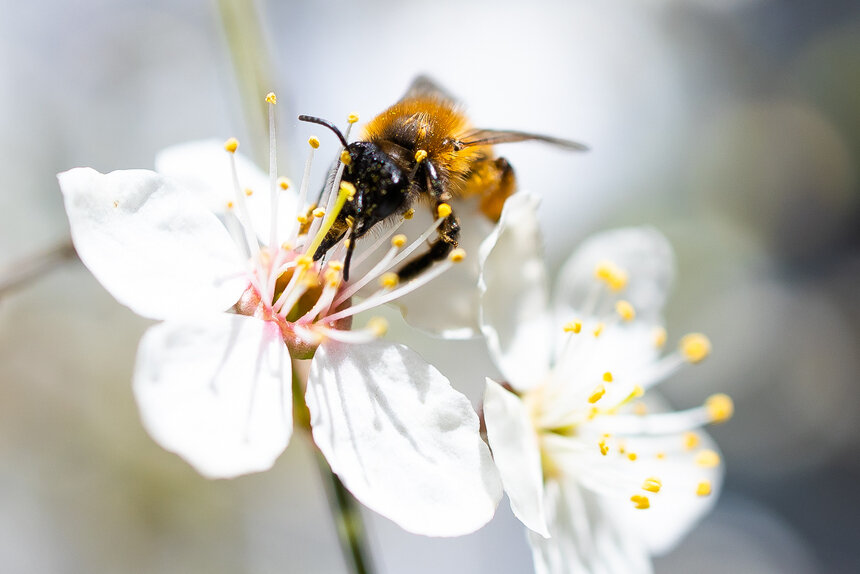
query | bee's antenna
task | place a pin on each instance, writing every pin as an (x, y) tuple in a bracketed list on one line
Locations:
[(326, 123)]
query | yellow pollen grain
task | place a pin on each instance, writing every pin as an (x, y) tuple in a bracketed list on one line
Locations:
[(720, 407), (336, 265), (573, 327), (703, 488), (607, 376), (352, 118), (283, 183), (625, 310), (691, 440), (632, 456), (422, 132), (410, 213), (707, 459), (304, 261), (443, 210), (332, 277), (598, 329), (457, 255), (398, 240), (695, 347), (389, 280), (378, 326), (420, 155), (271, 98), (652, 485), (348, 189), (319, 212), (345, 158), (597, 394), (640, 502), (659, 337), (231, 145), (314, 142), (249, 192), (604, 448)]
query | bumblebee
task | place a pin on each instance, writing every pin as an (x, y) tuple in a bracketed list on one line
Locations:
[(422, 149)]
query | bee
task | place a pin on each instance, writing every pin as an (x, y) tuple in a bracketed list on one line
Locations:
[(422, 149)]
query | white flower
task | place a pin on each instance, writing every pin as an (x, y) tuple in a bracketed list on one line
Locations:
[(602, 475), (227, 268)]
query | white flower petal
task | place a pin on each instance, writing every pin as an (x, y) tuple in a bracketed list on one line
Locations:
[(516, 454), (585, 537), (216, 391), (433, 308), (204, 167), (643, 252), (151, 244), (515, 295), (401, 439)]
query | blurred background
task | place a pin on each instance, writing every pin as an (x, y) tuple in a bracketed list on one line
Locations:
[(731, 125)]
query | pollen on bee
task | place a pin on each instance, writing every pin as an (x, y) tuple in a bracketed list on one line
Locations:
[(640, 502), (443, 210), (410, 213), (283, 183), (389, 280), (314, 142), (271, 98), (231, 145), (345, 158), (420, 155), (352, 118), (398, 240), (457, 255)]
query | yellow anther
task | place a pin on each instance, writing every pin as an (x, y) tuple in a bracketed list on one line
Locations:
[(640, 409), (336, 265), (398, 240), (625, 310), (314, 142), (622, 447), (632, 456), (652, 485), (720, 407), (410, 213), (229, 205), (691, 440), (707, 459), (618, 281), (350, 220), (611, 274), (352, 118), (378, 326), (457, 255), (304, 261), (597, 394), (283, 183), (695, 347), (604, 448), (302, 219), (573, 327), (420, 155), (332, 277), (598, 329), (249, 192), (389, 280), (604, 270), (271, 98), (319, 212), (607, 376), (637, 391), (348, 189), (703, 488), (640, 502), (345, 158), (661, 455), (231, 145), (659, 337), (443, 210), (286, 246)]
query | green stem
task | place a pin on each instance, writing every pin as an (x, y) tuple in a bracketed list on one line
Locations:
[(345, 510)]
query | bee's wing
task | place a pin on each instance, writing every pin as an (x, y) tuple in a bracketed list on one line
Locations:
[(426, 87), (493, 137)]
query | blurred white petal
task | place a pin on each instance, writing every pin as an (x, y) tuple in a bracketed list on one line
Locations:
[(151, 244), (516, 454), (515, 295), (217, 392), (401, 439)]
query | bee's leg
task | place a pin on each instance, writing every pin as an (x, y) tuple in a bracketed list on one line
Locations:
[(493, 180), (449, 232)]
